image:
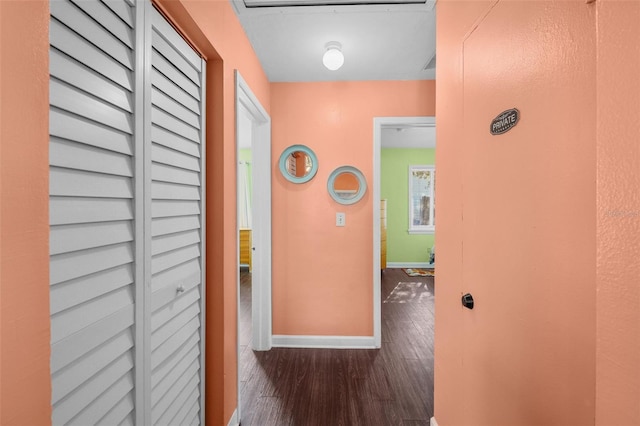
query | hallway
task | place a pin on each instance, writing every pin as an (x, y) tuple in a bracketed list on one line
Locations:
[(389, 386)]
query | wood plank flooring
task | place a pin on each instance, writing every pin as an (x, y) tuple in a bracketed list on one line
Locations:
[(344, 387)]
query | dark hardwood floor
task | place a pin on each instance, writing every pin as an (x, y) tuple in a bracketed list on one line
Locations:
[(331, 387)]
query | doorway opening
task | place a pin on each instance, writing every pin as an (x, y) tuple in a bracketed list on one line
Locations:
[(253, 152), (403, 235), (411, 132)]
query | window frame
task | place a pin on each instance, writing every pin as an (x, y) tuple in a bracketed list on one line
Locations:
[(431, 227)]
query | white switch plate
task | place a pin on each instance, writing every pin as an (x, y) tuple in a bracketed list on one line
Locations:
[(340, 219)]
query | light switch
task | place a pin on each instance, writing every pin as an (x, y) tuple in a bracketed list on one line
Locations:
[(340, 219)]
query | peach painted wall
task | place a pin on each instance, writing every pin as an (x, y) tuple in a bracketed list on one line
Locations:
[(321, 273), (618, 214), (517, 214), (25, 390)]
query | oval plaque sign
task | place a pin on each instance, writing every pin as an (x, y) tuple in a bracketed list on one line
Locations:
[(505, 121)]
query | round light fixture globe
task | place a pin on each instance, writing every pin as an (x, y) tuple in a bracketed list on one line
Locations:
[(333, 57)]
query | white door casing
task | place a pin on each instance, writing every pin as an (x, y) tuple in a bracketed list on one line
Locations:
[(378, 124), (261, 213), (249, 105)]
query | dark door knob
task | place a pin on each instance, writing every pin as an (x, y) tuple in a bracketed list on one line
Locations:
[(467, 301)]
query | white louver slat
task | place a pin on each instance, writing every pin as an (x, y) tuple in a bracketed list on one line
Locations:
[(176, 247), (126, 216)]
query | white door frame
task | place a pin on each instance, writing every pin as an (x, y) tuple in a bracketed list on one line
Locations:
[(261, 232), (261, 221), (378, 124)]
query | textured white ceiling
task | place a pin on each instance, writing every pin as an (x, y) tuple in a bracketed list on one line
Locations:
[(408, 137), (379, 42)]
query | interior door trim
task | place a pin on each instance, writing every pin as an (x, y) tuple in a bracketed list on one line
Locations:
[(261, 315), (378, 124)]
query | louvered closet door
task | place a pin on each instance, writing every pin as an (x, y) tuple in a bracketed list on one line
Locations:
[(126, 215), (92, 266), (176, 205)]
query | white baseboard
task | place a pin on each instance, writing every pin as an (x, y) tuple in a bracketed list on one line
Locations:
[(410, 265), (324, 342), (233, 421), (433, 422)]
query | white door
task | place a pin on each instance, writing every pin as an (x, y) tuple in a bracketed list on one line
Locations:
[(126, 216), (518, 335), (174, 159), (92, 267)]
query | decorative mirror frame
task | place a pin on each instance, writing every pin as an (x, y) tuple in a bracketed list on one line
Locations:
[(283, 163), (361, 181)]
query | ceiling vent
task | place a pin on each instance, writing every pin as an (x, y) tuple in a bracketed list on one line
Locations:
[(294, 3), (431, 64)]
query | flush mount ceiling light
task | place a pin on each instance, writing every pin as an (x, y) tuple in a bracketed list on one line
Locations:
[(333, 57)]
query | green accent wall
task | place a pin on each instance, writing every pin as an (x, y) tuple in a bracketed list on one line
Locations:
[(244, 154), (394, 187)]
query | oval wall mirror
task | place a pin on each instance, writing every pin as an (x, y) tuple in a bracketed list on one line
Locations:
[(347, 185), (298, 164)]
